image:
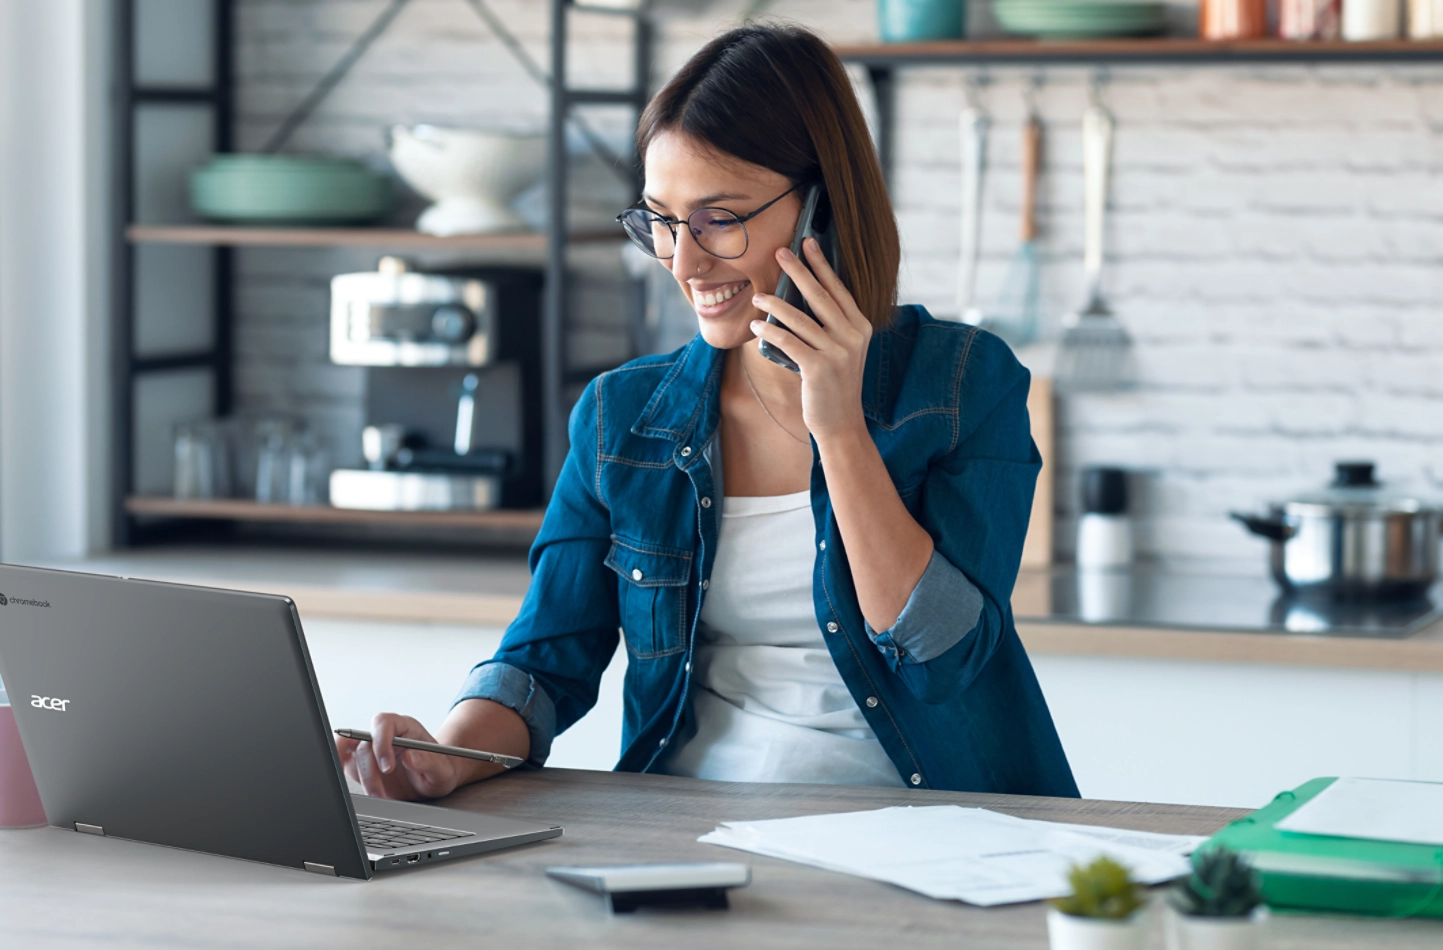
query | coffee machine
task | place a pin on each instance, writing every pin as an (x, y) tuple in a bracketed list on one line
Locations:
[(453, 386)]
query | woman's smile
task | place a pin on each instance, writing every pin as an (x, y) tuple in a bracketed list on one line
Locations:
[(713, 300)]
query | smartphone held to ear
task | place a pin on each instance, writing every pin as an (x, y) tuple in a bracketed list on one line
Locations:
[(815, 222)]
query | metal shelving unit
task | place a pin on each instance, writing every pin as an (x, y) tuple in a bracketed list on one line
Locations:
[(138, 518)]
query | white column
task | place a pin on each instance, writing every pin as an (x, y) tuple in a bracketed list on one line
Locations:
[(54, 302)]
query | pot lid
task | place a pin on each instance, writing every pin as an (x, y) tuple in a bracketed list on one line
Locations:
[(1356, 489)]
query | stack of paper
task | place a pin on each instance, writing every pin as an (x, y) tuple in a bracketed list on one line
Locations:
[(1378, 809), (967, 854)]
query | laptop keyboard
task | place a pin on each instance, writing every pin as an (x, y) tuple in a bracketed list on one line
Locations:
[(385, 834)]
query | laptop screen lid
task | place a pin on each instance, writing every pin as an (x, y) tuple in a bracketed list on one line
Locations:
[(175, 715)]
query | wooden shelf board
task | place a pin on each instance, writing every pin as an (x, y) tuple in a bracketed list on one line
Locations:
[(239, 509), (238, 236), (1153, 50)]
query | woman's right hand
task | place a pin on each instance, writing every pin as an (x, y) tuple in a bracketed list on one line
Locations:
[(385, 771)]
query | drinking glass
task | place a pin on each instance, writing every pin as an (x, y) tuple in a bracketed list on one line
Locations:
[(202, 459)]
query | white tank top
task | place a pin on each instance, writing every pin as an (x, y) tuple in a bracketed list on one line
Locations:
[(769, 702)]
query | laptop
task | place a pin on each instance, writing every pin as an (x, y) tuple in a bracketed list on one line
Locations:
[(190, 717)]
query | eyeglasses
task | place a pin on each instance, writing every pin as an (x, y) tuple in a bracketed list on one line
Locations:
[(719, 232)]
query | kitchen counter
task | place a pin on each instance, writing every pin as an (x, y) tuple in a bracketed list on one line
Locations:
[(61, 889), (1419, 652), (408, 587)]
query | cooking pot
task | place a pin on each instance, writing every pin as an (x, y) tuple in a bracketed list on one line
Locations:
[(1353, 540)]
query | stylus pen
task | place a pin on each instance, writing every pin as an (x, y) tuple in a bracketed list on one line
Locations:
[(508, 761)]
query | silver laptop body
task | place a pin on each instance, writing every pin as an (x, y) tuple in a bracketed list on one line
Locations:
[(190, 717)]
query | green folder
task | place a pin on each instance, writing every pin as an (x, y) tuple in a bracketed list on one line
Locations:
[(1340, 875)]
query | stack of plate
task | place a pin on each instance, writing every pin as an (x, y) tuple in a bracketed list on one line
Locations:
[(288, 189), (1079, 19)]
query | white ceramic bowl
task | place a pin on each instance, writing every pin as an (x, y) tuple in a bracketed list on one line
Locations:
[(472, 176)]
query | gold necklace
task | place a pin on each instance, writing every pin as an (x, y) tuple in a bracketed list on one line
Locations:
[(756, 395)]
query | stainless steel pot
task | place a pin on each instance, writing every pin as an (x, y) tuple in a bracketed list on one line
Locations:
[(1352, 541)]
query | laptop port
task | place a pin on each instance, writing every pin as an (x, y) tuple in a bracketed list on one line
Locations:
[(430, 855), (413, 858)]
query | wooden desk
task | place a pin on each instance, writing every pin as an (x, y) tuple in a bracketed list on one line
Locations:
[(61, 889)]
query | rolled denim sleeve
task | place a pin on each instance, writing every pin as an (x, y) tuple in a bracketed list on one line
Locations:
[(519, 692), (944, 607)]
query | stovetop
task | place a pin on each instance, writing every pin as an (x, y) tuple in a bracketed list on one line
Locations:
[(1153, 598)]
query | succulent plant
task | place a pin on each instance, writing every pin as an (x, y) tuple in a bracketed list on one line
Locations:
[(1103, 889), (1222, 884)]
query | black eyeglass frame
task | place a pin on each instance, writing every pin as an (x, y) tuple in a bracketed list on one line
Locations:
[(671, 225)]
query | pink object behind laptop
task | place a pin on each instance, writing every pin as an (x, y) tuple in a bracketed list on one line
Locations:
[(19, 801)]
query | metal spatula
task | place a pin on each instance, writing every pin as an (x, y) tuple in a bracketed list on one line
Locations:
[(973, 126), (1095, 351)]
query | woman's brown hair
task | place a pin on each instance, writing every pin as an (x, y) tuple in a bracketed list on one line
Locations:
[(778, 97)]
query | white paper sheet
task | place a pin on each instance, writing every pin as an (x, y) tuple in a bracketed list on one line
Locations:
[(1373, 808), (947, 852), (1183, 845)]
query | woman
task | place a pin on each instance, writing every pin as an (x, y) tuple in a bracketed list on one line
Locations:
[(839, 611)]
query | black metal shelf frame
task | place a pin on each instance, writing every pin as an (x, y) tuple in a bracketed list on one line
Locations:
[(126, 366), (555, 375)]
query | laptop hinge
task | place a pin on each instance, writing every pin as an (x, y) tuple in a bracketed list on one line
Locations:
[(315, 868), (85, 829)]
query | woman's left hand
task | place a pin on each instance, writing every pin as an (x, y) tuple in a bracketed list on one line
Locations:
[(832, 353)]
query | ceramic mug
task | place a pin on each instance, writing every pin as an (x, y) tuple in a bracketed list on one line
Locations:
[(906, 21), (19, 801)]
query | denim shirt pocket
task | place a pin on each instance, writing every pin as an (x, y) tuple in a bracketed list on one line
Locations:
[(653, 582)]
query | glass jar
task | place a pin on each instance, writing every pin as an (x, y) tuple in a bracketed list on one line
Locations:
[(1368, 20), (1310, 19), (1232, 19), (1425, 19)]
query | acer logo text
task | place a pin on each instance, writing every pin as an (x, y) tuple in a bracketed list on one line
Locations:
[(49, 702)]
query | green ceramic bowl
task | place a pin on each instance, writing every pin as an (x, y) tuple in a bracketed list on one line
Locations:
[(288, 189), (1079, 19)]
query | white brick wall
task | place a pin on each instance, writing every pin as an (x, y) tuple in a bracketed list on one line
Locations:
[(1275, 239)]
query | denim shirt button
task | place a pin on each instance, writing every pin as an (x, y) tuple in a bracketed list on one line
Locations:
[(822, 546), (916, 776), (636, 574), (688, 666), (871, 702), (662, 745), (705, 583), (686, 450), (831, 626), (706, 502)]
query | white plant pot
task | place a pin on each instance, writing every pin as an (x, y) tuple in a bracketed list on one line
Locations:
[(1065, 932), (1214, 933), (473, 176)]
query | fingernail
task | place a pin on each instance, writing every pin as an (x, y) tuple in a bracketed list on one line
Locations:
[(757, 325), (759, 298), (812, 242), (385, 763), (786, 254)]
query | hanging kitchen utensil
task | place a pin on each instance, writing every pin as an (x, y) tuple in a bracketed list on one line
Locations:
[(973, 126), (1015, 319), (1094, 353)]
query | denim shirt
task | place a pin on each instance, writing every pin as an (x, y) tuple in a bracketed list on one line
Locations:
[(630, 537)]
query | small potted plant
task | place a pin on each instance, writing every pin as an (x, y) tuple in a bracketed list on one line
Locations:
[(1219, 907), (1101, 913)]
